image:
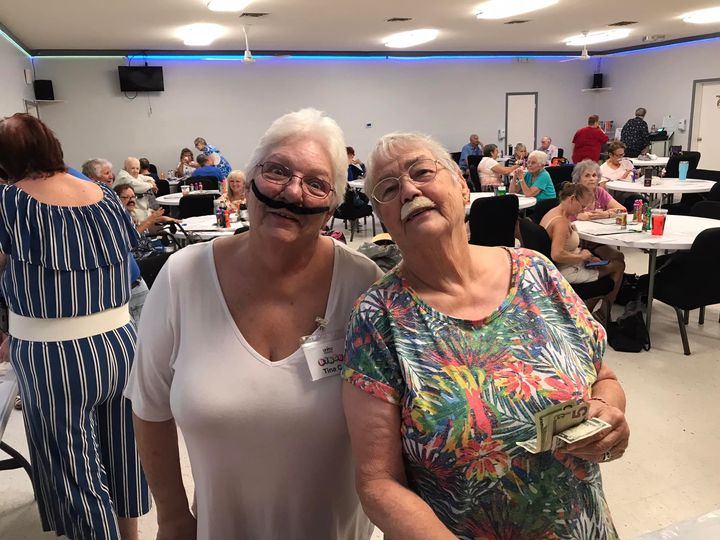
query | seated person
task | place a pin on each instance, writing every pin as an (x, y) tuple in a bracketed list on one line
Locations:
[(356, 168), (127, 197), (536, 182), (548, 147), (187, 164), (603, 205), (473, 148), (519, 156), (144, 186), (234, 196), (99, 170), (616, 167), (490, 171), (205, 169), (145, 169), (565, 250)]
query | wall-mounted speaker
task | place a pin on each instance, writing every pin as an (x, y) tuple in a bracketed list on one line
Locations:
[(597, 80), (43, 89)]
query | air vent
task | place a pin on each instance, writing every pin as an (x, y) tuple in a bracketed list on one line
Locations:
[(518, 21), (398, 19), (623, 23), (253, 15)]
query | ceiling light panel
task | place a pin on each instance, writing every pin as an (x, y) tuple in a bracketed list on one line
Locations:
[(596, 37), (410, 38), (200, 33), (703, 16), (502, 9), (227, 5)]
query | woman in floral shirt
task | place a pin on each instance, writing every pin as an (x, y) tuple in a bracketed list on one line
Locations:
[(449, 357)]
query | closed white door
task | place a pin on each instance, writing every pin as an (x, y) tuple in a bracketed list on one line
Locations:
[(707, 135), (521, 119)]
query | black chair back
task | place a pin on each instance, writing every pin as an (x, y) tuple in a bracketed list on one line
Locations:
[(196, 205), (208, 182), (672, 167), (455, 156), (714, 194), (534, 237), (705, 174), (543, 207), (153, 169), (492, 221), (151, 265), (706, 209), (473, 162), (163, 187), (560, 174)]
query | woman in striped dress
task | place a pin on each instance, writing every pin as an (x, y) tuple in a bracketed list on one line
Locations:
[(67, 283)]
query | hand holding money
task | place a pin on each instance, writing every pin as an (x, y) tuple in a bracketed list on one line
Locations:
[(607, 444)]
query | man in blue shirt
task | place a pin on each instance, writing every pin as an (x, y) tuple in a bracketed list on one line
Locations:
[(207, 170), (473, 148)]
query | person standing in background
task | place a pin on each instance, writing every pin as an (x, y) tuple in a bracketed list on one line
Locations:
[(635, 134), (214, 156), (473, 148), (588, 141)]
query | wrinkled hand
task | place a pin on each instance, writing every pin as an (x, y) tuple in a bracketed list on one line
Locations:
[(4, 348), (609, 444)]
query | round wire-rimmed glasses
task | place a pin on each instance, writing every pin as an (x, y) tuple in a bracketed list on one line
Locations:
[(420, 172), (279, 174)]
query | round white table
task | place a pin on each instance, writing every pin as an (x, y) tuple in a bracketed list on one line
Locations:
[(657, 162), (679, 234), (357, 184), (662, 186), (523, 202), (173, 199), (205, 228)]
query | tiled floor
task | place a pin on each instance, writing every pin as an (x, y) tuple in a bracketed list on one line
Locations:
[(668, 474)]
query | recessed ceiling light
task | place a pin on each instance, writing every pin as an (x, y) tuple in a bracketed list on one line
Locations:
[(411, 38), (596, 37), (703, 16), (200, 33), (502, 9), (227, 5)]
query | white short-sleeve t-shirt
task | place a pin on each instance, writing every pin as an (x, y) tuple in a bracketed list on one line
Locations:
[(487, 176), (269, 447)]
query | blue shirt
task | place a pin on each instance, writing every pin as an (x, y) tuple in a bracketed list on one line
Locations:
[(544, 183), (209, 170), (469, 150)]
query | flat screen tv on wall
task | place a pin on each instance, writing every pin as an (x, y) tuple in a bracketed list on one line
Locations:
[(141, 79)]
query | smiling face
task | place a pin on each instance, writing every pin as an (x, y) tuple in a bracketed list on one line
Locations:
[(420, 210), (236, 186), (106, 175), (305, 157), (128, 198), (132, 166)]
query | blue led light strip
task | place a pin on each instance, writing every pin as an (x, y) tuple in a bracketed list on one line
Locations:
[(15, 44)]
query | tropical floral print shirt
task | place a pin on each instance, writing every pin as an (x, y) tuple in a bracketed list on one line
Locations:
[(468, 392)]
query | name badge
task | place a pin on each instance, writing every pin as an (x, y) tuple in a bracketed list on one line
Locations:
[(325, 354)]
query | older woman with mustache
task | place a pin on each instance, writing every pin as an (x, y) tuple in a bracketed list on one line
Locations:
[(246, 359), (449, 357)]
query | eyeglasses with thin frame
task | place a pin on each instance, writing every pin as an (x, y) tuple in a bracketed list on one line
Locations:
[(128, 197), (279, 174), (420, 172)]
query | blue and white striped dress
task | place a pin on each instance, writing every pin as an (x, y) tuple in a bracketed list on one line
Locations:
[(69, 262)]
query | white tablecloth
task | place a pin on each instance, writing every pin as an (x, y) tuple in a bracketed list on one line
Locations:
[(205, 227), (174, 198), (662, 186)]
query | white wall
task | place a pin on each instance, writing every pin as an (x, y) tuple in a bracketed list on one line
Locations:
[(660, 80), (232, 103), (12, 81)]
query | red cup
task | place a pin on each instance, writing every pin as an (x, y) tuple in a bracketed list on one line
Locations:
[(658, 224)]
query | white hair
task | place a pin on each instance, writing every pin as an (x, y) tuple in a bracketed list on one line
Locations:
[(539, 155), (127, 162), (389, 146), (307, 123), (92, 167), (584, 165)]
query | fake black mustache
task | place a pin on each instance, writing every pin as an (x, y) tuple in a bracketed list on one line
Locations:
[(295, 209)]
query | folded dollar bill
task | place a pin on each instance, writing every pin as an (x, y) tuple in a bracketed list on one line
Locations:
[(582, 431)]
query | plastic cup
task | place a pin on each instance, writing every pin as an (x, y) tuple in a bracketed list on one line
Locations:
[(184, 190), (658, 222), (683, 170)]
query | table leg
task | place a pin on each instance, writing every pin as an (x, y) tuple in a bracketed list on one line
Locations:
[(651, 287)]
